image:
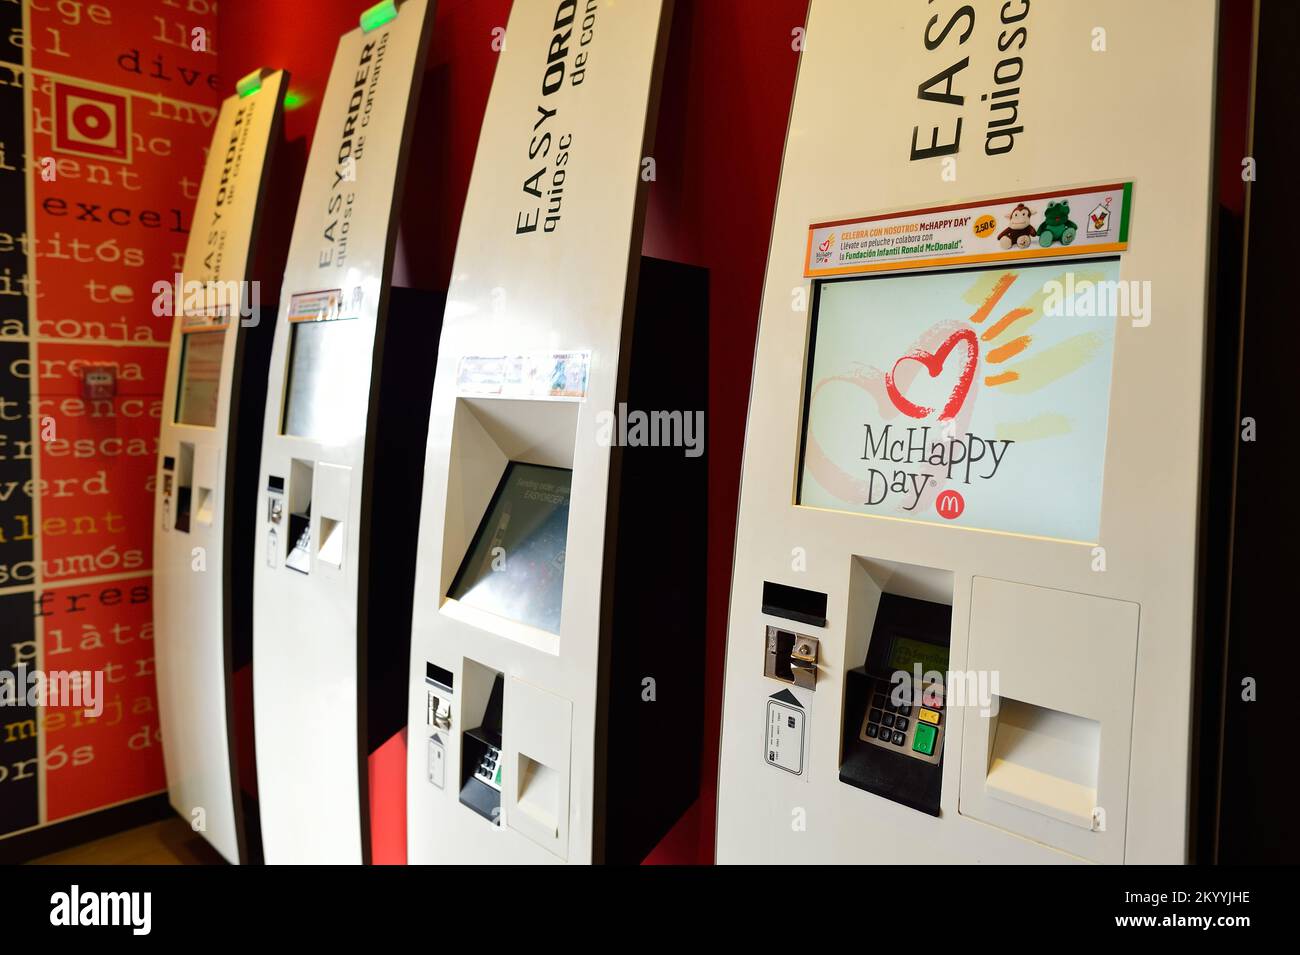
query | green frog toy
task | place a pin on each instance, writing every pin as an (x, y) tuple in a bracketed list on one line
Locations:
[(1057, 225)]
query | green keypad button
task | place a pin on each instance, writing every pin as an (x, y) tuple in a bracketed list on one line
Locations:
[(923, 742)]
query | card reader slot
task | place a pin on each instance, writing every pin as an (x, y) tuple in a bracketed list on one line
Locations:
[(784, 647)]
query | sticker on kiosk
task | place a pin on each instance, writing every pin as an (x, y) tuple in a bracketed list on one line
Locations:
[(959, 365), (1089, 220), (319, 306), (558, 376)]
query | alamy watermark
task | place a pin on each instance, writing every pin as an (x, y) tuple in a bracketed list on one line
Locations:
[(973, 688), (1086, 298), (85, 907), (30, 687), (208, 299), (651, 429)]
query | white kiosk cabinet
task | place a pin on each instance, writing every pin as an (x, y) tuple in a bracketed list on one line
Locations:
[(350, 377), (209, 443), (962, 612), (556, 653)]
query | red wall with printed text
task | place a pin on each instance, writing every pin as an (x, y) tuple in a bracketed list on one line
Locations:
[(105, 122)]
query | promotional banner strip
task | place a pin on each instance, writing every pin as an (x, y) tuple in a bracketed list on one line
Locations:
[(1089, 220)]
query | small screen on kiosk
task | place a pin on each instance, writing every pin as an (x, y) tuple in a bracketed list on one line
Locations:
[(515, 565), (200, 378), (905, 653), (326, 392)]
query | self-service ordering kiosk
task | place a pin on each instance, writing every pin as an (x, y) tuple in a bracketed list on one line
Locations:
[(962, 613), (555, 677), (349, 386), (210, 444)]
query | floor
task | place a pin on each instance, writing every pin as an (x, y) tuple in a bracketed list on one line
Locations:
[(169, 842)]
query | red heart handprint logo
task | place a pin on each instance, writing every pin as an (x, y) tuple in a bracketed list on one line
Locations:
[(933, 362)]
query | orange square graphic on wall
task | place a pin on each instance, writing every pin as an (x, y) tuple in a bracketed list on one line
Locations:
[(91, 122), (106, 230)]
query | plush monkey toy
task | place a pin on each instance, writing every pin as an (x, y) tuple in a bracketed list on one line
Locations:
[(1020, 233)]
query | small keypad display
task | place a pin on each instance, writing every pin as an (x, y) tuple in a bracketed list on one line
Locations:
[(893, 725), (489, 767)]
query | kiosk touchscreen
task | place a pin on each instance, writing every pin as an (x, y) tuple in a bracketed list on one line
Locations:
[(349, 384), (962, 611), (528, 519), (557, 642), (210, 444)]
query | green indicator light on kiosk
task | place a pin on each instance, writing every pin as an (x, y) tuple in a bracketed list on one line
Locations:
[(250, 84), (378, 15), (293, 99)]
